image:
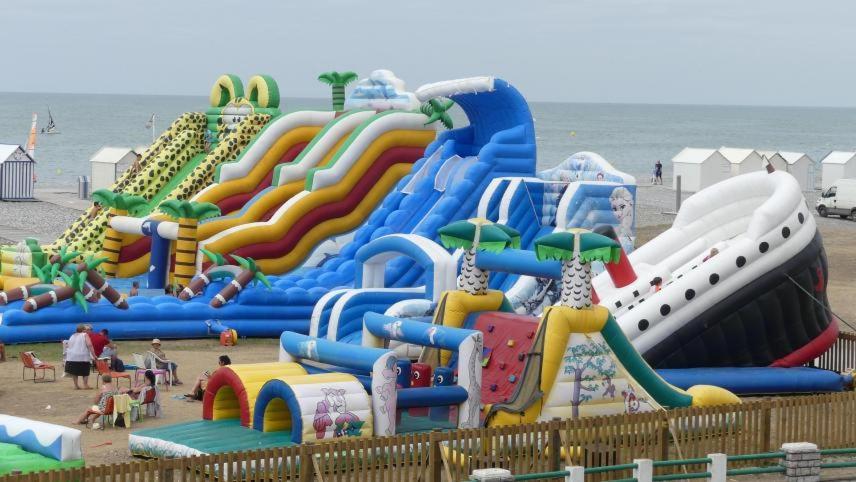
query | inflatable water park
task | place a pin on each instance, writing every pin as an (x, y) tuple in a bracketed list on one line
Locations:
[(417, 271)]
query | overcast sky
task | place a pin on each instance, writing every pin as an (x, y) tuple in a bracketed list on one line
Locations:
[(768, 52)]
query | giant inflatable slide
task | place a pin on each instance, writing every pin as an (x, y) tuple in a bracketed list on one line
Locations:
[(443, 185)]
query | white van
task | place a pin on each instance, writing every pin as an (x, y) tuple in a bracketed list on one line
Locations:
[(839, 198)]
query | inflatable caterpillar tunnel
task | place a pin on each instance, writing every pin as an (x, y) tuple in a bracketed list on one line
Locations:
[(232, 390), (314, 407)]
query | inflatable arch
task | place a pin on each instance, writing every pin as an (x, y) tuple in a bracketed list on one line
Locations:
[(314, 407), (439, 268), (232, 390), (263, 91), (227, 88)]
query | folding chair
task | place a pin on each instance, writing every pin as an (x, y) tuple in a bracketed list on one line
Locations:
[(32, 362)]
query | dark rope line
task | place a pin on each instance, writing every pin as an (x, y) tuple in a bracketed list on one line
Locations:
[(819, 302)]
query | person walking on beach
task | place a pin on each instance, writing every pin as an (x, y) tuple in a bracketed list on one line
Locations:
[(658, 172), (79, 356)]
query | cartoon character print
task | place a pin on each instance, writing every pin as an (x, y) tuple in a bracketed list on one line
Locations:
[(332, 418), (621, 202), (632, 403), (473, 370), (308, 349), (388, 392), (431, 333), (393, 330), (609, 391)]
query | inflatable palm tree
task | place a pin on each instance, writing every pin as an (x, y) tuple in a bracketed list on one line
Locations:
[(437, 111), (119, 205), (46, 275), (250, 273), (337, 81), (219, 267), (473, 235), (188, 214), (75, 288), (576, 249)]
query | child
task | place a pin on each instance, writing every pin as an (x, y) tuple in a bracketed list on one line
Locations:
[(92, 413)]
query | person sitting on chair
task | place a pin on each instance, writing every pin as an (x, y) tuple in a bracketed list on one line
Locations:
[(100, 402), (163, 363)]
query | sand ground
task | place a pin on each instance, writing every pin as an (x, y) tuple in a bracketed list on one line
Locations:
[(59, 403)]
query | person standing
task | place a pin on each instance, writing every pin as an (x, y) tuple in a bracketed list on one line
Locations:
[(658, 172), (79, 356), (98, 340)]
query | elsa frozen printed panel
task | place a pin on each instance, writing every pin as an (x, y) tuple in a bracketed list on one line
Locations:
[(586, 191)]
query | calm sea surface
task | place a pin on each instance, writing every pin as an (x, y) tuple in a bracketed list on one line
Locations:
[(632, 136)]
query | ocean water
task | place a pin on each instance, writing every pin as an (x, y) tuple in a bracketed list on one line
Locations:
[(632, 136)]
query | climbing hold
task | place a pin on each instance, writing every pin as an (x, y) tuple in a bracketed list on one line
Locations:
[(493, 387), (512, 378), (502, 365), (510, 343), (490, 328), (530, 335), (521, 356)]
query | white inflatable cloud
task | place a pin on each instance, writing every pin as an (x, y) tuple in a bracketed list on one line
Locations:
[(382, 90)]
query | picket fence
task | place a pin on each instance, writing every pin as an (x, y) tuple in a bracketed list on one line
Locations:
[(756, 426)]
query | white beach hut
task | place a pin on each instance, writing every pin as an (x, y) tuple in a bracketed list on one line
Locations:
[(699, 168), (108, 164), (742, 160), (16, 173), (797, 164), (837, 165)]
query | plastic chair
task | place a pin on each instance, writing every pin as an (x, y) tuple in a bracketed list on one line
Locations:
[(103, 367), (162, 375), (108, 411), (32, 362), (149, 398)]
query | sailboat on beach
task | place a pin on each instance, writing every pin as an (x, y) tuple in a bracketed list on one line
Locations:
[(51, 127)]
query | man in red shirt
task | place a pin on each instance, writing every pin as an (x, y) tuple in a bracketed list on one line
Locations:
[(99, 340)]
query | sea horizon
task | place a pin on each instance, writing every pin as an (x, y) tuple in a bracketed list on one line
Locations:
[(633, 136)]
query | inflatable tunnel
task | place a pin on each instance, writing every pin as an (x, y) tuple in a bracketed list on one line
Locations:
[(232, 390), (314, 407)]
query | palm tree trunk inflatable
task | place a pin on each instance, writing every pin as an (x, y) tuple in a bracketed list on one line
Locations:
[(75, 285), (119, 205), (337, 81), (473, 235), (219, 270), (188, 214), (46, 275), (249, 273), (576, 249)]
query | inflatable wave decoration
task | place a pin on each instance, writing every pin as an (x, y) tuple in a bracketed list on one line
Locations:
[(47, 439)]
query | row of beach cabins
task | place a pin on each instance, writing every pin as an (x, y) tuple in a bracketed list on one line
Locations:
[(700, 168)]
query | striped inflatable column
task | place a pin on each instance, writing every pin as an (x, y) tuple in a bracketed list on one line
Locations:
[(112, 244), (185, 252)]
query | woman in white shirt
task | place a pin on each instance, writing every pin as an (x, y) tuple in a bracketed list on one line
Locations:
[(79, 356)]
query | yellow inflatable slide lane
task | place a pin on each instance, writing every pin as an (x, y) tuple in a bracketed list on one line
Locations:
[(289, 178), (134, 257), (337, 197), (588, 367), (279, 142), (86, 233)]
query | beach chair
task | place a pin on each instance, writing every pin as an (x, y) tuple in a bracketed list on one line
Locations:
[(103, 367), (162, 375), (32, 362)]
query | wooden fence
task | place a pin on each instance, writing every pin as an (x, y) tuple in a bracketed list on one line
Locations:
[(752, 427)]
